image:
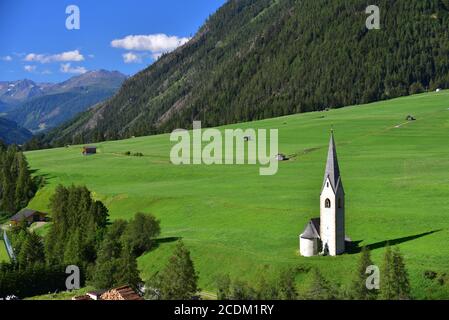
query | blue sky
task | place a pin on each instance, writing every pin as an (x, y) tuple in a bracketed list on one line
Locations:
[(114, 35)]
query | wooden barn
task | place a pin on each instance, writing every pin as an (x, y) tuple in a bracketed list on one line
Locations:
[(88, 150), (29, 216)]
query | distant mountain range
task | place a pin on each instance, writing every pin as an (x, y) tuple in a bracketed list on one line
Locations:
[(12, 93), (40, 106)]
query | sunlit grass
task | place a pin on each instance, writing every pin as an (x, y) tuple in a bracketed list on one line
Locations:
[(235, 221)]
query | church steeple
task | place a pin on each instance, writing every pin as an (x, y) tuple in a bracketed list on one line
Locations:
[(332, 169), (332, 205), (331, 224)]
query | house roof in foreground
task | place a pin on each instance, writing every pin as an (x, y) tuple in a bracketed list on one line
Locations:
[(25, 213), (121, 293)]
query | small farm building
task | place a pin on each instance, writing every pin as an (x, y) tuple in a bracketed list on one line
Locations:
[(27, 215), (89, 150)]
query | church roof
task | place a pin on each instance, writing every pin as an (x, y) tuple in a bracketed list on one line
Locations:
[(332, 169), (312, 229)]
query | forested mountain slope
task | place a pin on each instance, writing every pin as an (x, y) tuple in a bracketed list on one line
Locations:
[(11, 133), (256, 59)]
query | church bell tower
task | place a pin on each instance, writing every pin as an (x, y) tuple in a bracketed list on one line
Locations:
[(332, 206)]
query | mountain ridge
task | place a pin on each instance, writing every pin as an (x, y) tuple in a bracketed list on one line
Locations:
[(256, 59), (57, 103)]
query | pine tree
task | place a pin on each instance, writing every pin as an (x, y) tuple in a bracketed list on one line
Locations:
[(106, 264), (387, 285), (394, 284), (359, 290), (73, 251), (31, 251), (127, 271), (178, 280), (320, 288), (402, 284), (8, 173), (24, 185), (116, 264)]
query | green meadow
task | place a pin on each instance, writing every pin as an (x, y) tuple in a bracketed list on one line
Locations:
[(395, 174), (3, 253)]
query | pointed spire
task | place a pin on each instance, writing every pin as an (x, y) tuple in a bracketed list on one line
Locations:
[(332, 169)]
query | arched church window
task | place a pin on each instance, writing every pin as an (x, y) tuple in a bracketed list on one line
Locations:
[(327, 203)]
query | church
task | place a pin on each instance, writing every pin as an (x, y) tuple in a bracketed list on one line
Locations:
[(326, 235)]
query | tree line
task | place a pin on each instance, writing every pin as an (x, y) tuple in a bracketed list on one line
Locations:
[(394, 284), (178, 280)]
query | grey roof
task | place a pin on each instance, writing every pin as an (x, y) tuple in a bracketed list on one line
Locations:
[(332, 169), (312, 229), (23, 214)]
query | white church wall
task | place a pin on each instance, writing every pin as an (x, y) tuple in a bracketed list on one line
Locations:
[(327, 219), (308, 247)]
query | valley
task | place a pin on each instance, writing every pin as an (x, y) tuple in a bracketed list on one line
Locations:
[(235, 221)]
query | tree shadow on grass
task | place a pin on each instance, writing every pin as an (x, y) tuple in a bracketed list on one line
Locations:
[(158, 242), (354, 247), (40, 180)]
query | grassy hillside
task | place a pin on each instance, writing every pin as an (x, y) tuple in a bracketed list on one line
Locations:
[(395, 175)]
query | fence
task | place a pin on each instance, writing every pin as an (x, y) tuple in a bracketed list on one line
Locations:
[(8, 246)]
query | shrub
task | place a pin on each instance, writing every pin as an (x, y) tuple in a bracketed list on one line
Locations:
[(429, 274)]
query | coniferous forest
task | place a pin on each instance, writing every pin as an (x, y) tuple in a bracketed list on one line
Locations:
[(79, 235), (17, 187), (256, 59)]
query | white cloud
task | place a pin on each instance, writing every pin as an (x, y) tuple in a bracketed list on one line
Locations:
[(74, 55), (131, 57), (29, 68), (6, 58), (157, 44), (67, 68)]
